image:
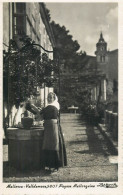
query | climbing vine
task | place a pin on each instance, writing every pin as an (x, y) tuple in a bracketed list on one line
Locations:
[(24, 69)]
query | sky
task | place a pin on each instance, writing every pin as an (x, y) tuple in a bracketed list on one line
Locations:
[(85, 21)]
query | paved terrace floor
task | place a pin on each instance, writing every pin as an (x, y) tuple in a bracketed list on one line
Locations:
[(90, 159)]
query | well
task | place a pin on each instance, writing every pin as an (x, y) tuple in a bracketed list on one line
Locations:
[(24, 147)]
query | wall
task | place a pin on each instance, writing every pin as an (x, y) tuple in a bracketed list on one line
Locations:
[(113, 65), (7, 24), (33, 22), (36, 29)]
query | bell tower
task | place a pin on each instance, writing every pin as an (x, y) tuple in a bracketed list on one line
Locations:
[(102, 66), (101, 51)]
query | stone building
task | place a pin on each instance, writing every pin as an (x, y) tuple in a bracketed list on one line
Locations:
[(107, 65), (28, 19), (102, 70)]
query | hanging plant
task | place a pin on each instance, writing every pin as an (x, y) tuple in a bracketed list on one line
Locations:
[(19, 71), (23, 69)]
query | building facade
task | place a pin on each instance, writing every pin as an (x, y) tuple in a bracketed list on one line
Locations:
[(29, 19)]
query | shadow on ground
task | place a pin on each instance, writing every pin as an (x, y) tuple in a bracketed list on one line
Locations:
[(95, 144), (9, 171)]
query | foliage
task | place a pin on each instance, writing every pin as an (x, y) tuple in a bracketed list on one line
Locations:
[(24, 69), (74, 94), (66, 47), (47, 12), (81, 67), (70, 58)]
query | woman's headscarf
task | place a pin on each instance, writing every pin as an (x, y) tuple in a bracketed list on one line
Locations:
[(55, 103)]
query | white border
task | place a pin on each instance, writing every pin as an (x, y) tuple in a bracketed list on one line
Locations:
[(78, 191)]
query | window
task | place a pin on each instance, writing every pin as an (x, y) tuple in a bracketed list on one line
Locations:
[(20, 7), (19, 18), (101, 58), (19, 25)]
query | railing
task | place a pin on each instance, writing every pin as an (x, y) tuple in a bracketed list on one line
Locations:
[(109, 120), (111, 123)]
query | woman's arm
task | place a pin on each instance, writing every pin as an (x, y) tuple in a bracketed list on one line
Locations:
[(35, 109)]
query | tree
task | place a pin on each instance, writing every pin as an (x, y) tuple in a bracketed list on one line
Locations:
[(79, 69), (24, 69), (20, 71), (69, 57), (66, 47)]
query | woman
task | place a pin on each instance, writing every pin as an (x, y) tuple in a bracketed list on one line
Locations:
[(53, 149)]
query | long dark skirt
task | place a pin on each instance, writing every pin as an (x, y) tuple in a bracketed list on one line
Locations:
[(53, 151), (62, 148)]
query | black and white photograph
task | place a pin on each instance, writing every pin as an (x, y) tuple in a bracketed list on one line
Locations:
[(60, 97)]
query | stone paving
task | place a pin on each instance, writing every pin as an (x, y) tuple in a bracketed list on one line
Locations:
[(90, 159)]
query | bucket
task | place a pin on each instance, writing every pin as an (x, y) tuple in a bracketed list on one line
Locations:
[(26, 121)]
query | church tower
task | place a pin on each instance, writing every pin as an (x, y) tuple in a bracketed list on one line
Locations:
[(102, 66), (101, 51)]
